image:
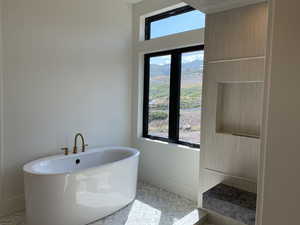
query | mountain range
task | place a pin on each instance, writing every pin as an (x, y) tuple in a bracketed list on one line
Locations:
[(188, 67)]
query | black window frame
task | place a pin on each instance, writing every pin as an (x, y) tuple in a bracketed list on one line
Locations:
[(164, 15), (174, 99)]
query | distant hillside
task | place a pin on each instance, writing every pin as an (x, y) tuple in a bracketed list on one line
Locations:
[(158, 70)]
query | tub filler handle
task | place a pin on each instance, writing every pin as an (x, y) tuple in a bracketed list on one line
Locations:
[(66, 150)]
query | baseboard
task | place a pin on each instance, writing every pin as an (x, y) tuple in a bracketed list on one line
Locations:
[(9, 206)]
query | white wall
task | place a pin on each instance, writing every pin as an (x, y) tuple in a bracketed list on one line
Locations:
[(169, 166), (280, 187), (66, 70)]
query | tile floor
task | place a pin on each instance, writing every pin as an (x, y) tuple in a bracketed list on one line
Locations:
[(153, 206)]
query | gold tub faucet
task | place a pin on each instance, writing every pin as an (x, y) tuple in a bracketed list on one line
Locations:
[(82, 141)]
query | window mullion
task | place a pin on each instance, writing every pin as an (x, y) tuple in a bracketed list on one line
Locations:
[(146, 95), (174, 106)]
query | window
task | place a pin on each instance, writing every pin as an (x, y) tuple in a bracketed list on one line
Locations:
[(172, 95), (174, 21)]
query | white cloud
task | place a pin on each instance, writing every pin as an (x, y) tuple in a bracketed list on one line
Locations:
[(186, 58), (161, 60), (190, 57)]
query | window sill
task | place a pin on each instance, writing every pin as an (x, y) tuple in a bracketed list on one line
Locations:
[(183, 147)]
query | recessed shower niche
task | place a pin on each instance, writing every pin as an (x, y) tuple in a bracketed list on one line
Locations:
[(239, 106), (231, 128)]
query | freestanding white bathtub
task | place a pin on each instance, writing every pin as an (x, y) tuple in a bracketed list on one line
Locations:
[(82, 188)]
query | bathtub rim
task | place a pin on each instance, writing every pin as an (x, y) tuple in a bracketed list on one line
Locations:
[(27, 168)]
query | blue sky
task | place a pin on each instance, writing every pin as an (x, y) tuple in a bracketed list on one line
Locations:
[(176, 24)]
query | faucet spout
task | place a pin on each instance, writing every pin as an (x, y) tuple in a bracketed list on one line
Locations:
[(75, 149)]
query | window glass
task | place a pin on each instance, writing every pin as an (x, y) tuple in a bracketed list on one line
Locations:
[(190, 97), (172, 95), (176, 24), (159, 91)]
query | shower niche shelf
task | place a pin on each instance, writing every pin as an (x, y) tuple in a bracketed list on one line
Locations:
[(239, 108)]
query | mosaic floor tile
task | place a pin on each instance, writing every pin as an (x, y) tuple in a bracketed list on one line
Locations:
[(153, 206)]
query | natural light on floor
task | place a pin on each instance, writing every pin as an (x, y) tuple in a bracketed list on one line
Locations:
[(143, 213)]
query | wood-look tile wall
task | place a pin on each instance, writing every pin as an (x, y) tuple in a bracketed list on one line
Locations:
[(234, 71), (236, 33)]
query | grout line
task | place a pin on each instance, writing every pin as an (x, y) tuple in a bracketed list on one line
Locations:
[(236, 59)]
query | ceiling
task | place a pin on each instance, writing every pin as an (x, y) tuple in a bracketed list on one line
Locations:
[(132, 1), (209, 6)]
